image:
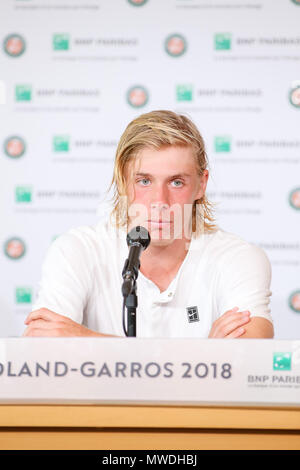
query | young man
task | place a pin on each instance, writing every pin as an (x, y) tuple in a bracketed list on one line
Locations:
[(195, 280)]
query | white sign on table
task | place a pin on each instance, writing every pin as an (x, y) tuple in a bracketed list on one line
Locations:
[(150, 371)]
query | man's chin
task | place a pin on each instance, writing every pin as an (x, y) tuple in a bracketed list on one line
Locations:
[(161, 241), (161, 238)]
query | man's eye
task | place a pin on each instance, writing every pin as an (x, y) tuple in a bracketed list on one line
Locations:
[(144, 182), (177, 183)]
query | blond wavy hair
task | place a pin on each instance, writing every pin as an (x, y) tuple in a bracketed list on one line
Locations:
[(158, 129)]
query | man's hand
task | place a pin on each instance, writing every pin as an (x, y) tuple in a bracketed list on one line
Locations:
[(44, 322), (230, 324)]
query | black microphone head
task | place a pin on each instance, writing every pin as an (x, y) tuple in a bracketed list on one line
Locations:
[(140, 235)]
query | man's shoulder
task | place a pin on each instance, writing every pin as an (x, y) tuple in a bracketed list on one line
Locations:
[(86, 236), (226, 245), (230, 239), (77, 236), (103, 236), (222, 238)]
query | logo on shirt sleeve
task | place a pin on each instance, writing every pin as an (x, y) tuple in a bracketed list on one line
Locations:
[(192, 313)]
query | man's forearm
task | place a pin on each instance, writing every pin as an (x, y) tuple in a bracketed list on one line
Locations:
[(258, 327)]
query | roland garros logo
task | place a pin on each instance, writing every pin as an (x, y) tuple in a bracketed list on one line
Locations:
[(295, 96), (294, 301), (175, 45), (137, 96), (14, 45), (14, 248), (137, 3), (14, 147), (294, 198)]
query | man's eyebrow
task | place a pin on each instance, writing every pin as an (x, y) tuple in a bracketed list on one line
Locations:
[(178, 175)]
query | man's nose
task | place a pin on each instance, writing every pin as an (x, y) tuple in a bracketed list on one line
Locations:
[(160, 198)]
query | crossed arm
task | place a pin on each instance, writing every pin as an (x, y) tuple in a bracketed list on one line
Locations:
[(232, 324)]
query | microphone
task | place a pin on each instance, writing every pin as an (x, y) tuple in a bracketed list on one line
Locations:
[(138, 239)]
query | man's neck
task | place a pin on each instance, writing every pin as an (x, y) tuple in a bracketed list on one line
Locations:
[(161, 263)]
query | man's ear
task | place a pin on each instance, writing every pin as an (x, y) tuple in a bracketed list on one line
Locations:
[(202, 184)]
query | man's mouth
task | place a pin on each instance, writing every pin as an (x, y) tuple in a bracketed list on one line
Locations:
[(159, 223)]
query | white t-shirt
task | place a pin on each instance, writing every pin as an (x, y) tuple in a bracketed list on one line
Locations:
[(82, 279)]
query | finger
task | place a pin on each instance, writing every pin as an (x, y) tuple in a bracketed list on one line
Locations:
[(44, 314), (45, 324), (228, 316), (233, 317), (232, 313), (234, 309), (41, 332), (229, 327), (223, 327), (236, 333)]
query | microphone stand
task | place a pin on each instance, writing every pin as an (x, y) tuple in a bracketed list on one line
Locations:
[(130, 302), (137, 239)]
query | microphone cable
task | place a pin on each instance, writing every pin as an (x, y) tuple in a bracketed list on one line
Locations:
[(123, 315)]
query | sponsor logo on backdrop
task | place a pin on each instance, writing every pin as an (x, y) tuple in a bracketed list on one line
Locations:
[(282, 361), (50, 194), (137, 3), (294, 301), (67, 92), (86, 143), (137, 96), (61, 42), (23, 93), (64, 143), (294, 198), (175, 45), (184, 92), (14, 45), (61, 143), (23, 194), (272, 41), (187, 93), (222, 41), (235, 194), (225, 42), (111, 42), (14, 248), (14, 147), (222, 144), (294, 96), (23, 295), (270, 245), (268, 144)]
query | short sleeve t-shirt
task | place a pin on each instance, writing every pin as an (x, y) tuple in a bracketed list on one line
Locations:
[(82, 279)]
